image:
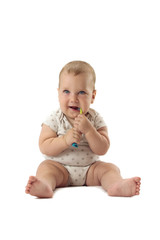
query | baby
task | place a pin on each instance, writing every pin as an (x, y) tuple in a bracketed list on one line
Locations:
[(66, 165)]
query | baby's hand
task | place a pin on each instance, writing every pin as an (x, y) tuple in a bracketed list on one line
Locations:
[(82, 124), (72, 136)]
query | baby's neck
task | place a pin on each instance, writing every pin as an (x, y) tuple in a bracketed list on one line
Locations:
[(70, 120)]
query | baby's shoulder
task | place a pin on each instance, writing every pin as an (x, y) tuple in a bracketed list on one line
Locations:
[(93, 113), (96, 119), (53, 119), (55, 114)]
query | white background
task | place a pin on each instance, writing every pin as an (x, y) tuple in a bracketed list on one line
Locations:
[(121, 40)]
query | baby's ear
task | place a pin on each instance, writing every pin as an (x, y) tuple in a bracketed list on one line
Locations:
[(93, 96), (58, 90)]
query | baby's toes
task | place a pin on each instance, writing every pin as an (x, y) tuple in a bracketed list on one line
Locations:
[(32, 179), (28, 187), (137, 189)]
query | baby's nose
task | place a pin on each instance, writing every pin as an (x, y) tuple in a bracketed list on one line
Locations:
[(74, 98)]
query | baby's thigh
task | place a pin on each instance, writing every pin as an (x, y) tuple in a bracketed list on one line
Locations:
[(96, 172)]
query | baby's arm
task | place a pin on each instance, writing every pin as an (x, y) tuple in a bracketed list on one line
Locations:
[(52, 145), (97, 139)]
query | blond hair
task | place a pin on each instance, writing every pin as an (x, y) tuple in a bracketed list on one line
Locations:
[(78, 67)]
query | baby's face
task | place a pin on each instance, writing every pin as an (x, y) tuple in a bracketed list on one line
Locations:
[(75, 92)]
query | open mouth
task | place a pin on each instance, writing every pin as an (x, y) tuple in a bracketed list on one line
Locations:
[(75, 108)]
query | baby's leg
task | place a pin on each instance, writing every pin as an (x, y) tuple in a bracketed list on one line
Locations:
[(49, 175), (108, 176)]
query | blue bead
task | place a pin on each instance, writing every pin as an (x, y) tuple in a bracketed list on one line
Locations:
[(75, 145)]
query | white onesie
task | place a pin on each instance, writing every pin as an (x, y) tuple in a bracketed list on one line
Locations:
[(76, 160)]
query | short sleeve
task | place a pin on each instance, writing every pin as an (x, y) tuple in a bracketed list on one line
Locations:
[(51, 121), (99, 121)]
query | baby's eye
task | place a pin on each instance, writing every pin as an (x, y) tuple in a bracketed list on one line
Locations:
[(66, 91), (82, 92)]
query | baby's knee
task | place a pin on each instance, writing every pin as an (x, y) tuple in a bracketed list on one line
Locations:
[(112, 167), (45, 163), (103, 168), (54, 170)]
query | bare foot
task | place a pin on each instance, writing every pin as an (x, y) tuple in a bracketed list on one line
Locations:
[(38, 188), (125, 187)]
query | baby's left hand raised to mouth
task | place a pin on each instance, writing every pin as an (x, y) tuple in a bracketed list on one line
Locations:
[(82, 124)]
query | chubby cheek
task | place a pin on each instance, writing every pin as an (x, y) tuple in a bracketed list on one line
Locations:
[(85, 106), (85, 103), (62, 102)]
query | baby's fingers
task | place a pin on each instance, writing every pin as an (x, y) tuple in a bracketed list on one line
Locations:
[(77, 136)]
